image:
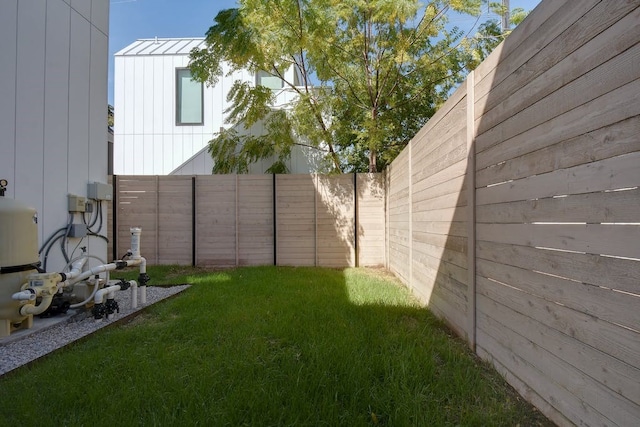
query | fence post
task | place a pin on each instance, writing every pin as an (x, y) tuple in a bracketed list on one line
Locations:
[(387, 231), (315, 218), (355, 219), (275, 222), (114, 216), (193, 221), (237, 224), (471, 217), (157, 231)]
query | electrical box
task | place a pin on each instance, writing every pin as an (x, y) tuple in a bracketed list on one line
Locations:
[(77, 203), (99, 191), (78, 230)]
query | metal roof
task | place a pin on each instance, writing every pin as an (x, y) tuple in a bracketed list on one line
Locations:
[(158, 46)]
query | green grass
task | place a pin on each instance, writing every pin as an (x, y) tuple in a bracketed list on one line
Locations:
[(267, 346)]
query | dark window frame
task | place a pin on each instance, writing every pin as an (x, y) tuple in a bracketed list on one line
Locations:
[(178, 103)]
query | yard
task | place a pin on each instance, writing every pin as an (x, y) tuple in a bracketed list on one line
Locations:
[(268, 346)]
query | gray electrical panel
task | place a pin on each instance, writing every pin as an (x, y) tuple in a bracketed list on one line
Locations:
[(99, 191), (77, 203), (78, 230)]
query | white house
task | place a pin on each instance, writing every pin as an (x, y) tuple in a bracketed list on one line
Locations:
[(53, 106), (164, 120)]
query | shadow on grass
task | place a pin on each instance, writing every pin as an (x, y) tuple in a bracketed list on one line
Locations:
[(271, 346)]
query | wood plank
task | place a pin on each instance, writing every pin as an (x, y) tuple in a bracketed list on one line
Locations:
[(457, 99), (458, 214), (609, 141), (516, 98), (538, 21), (448, 255), (447, 228), (458, 244), (609, 207), (424, 190), (609, 174), (618, 376), (606, 304), (553, 393), (619, 342), (442, 138), (612, 240), (574, 25), (439, 164), (605, 404), (613, 107), (451, 200), (611, 75), (523, 388)]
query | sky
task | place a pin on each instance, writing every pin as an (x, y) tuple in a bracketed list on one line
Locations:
[(143, 19)]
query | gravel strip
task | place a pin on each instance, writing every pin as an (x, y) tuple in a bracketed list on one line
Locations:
[(21, 351)]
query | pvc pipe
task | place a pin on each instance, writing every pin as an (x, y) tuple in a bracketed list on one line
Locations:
[(143, 295), (134, 293), (28, 309), (76, 268), (108, 267), (93, 294), (135, 242), (107, 290), (24, 296), (111, 289)]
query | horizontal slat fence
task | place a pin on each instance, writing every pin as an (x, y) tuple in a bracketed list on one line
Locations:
[(515, 213), (228, 220)]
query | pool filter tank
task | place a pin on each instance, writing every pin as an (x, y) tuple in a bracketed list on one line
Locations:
[(18, 259)]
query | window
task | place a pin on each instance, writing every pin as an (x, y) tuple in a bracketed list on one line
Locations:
[(269, 81), (189, 99)]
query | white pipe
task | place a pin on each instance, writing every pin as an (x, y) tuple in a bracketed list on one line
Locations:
[(143, 295), (108, 267), (93, 293), (108, 290), (76, 268), (143, 264), (24, 296), (134, 293), (135, 242)]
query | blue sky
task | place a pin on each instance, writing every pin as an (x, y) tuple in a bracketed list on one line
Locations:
[(139, 19)]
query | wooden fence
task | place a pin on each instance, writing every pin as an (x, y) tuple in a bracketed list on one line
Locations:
[(515, 213), (229, 220)]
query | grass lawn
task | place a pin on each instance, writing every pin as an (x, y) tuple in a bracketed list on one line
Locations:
[(267, 346)]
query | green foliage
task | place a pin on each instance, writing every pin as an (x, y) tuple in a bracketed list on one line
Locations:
[(110, 116), (369, 74), (490, 34), (268, 346)]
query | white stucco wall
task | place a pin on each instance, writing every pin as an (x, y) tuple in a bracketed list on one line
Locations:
[(53, 105)]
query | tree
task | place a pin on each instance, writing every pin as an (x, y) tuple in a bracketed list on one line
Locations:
[(490, 34), (369, 74), (110, 116)]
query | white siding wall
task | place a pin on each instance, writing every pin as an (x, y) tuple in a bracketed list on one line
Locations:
[(146, 138), (53, 103)]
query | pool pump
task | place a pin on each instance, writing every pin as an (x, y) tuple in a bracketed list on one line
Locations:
[(26, 290)]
